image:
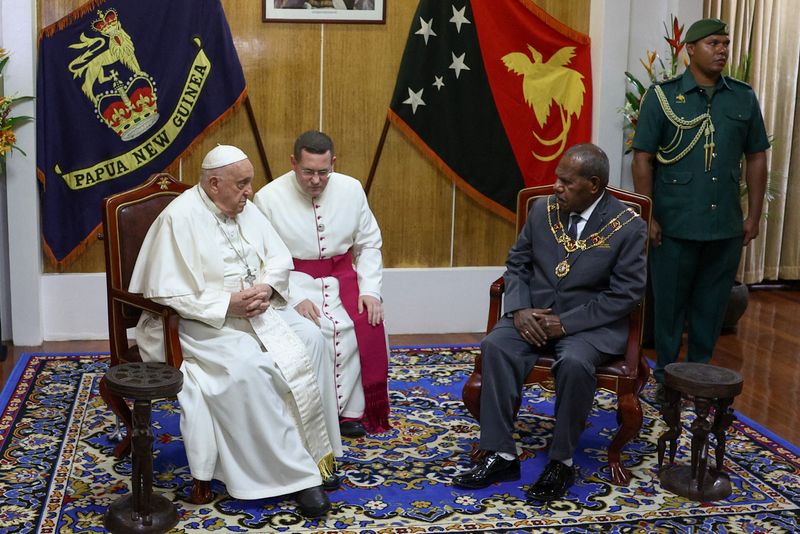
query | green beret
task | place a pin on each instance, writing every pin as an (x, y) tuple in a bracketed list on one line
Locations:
[(704, 28)]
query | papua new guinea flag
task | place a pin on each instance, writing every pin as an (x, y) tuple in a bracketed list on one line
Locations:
[(124, 88), (494, 92)]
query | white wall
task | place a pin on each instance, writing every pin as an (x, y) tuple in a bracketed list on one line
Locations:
[(609, 26), (73, 306), (18, 34), (647, 33), (418, 301), (5, 288)]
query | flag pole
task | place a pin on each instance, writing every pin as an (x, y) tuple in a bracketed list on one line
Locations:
[(377, 157), (259, 143)]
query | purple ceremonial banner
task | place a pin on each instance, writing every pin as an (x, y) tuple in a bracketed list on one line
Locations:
[(124, 89)]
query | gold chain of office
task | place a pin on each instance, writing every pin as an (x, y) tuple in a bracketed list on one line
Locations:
[(598, 238), (706, 128)]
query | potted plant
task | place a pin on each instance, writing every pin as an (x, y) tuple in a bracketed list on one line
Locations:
[(8, 123)]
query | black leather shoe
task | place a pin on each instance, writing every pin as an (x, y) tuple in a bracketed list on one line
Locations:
[(332, 483), (312, 502), (492, 469), (352, 429), (553, 482)]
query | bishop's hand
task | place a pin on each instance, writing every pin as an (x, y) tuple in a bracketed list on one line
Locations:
[(308, 310)]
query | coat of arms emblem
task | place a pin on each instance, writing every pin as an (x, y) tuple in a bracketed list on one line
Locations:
[(127, 105)]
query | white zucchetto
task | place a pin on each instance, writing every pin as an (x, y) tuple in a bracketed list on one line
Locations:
[(222, 155)]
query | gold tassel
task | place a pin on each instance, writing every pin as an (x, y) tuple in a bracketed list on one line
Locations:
[(710, 145), (327, 466)]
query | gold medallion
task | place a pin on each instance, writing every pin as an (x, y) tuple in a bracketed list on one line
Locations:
[(570, 245), (562, 269)]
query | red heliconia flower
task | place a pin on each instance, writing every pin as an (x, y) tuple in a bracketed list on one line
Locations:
[(675, 40)]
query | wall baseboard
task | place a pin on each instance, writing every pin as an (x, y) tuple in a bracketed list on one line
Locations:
[(417, 301)]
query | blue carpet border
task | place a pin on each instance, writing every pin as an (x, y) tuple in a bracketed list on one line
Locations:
[(25, 357), (19, 366), (765, 479), (13, 379)]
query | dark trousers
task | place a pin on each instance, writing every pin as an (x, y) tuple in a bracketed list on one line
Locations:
[(506, 361), (692, 283)]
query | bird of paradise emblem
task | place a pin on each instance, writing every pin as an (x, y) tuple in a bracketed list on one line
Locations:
[(546, 82)]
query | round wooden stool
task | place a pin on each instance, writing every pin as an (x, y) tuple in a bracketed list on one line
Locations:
[(710, 387), (142, 511)]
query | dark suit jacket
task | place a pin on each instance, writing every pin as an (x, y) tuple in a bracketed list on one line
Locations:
[(604, 284)]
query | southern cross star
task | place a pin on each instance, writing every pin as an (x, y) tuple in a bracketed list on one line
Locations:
[(458, 63), (415, 99), (458, 18), (425, 29)]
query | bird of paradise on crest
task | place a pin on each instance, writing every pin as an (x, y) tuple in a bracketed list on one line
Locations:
[(546, 82)]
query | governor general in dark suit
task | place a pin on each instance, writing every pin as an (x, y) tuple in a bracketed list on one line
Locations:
[(571, 292)]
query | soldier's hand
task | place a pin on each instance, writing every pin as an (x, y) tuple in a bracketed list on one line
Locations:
[(655, 233), (751, 229)]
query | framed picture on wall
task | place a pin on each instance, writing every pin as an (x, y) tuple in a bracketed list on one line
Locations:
[(364, 11)]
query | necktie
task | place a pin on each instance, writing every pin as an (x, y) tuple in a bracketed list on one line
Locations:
[(572, 231)]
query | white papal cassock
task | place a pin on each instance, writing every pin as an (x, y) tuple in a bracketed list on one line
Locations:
[(337, 221), (257, 398)]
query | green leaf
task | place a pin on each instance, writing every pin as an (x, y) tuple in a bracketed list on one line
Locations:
[(16, 99), (16, 121), (636, 82)]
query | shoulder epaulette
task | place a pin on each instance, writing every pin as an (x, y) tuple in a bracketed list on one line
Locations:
[(737, 81), (669, 80)]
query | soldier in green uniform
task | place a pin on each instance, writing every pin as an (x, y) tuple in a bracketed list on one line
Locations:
[(690, 138)]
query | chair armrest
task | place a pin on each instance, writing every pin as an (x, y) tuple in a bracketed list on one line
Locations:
[(633, 349), (495, 302), (169, 317)]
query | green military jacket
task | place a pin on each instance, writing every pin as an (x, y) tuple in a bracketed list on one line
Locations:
[(689, 200)]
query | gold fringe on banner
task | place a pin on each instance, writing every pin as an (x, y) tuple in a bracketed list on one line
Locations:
[(66, 20)]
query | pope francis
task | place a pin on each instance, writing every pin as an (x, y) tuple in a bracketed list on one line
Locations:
[(258, 402)]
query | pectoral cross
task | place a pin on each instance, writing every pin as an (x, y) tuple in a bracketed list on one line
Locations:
[(250, 278)]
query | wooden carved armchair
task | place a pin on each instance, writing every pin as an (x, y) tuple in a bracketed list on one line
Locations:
[(625, 376), (127, 217)]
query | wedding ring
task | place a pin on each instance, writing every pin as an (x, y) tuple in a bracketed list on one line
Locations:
[(526, 332)]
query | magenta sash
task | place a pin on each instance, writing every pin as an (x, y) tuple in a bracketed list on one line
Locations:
[(371, 339)]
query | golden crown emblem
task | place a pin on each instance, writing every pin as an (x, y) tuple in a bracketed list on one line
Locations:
[(106, 21), (129, 109)]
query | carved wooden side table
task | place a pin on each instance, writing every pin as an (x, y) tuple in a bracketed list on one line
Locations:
[(710, 387), (142, 511)]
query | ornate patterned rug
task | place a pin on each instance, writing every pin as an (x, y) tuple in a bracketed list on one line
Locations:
[(57, 473)]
